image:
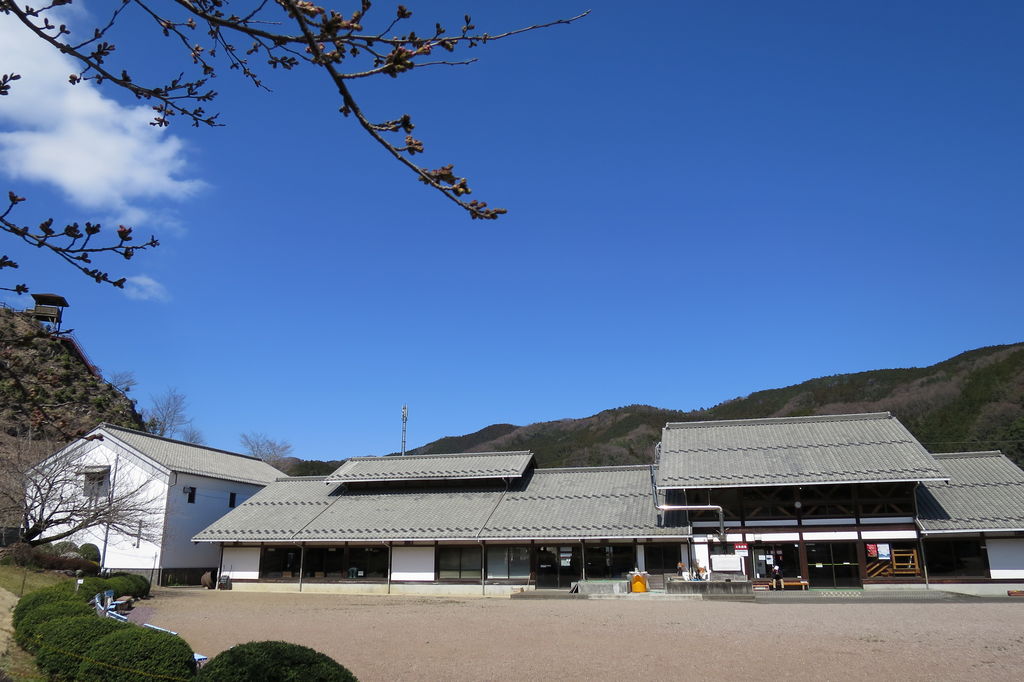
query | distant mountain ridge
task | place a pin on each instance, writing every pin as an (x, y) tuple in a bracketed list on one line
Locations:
[(973, 401)]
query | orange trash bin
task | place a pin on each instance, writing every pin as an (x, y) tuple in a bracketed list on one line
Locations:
[(638, 583)]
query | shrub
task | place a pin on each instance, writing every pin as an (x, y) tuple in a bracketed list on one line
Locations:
[(273, 662), (57, 562), (140, 584), (25, 634), (39, 598), (136, 653), (90, 551), (122, 585), (63, 642), (90, 586)]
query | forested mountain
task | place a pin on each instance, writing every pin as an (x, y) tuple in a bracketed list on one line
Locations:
[(974, 401)]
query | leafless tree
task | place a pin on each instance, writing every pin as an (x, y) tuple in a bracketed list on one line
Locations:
[(269, 450), (192, 434), (56, 497), (123, 381), (168, 416), (283, 35)]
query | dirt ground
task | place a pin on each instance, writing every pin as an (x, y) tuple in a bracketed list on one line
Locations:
[(418, 638)]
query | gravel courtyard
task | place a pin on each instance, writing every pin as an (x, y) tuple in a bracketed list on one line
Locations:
[(415, 638)]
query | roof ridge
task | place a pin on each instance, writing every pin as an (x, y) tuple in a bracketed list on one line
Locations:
[(780, 420), (968, 455), (107, 425), (440, 454), (617, 467)]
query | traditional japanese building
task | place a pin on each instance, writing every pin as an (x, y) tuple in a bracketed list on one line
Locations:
[(844, 501)]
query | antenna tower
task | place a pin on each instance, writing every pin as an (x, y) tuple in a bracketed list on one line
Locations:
[(405, 420)]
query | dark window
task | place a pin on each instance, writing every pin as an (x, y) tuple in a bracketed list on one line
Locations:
[(279, 563), (508, 562), (955, 558), (232, 499), (191, 495), (95, 485), (610, 561), (458, 563)]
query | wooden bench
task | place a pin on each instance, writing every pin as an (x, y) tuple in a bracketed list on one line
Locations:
[(787, 584)]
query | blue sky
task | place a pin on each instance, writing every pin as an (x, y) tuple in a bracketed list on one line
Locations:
[(706, 199)]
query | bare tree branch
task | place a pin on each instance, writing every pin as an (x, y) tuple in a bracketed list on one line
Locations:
[(55, 498), (269, 450)]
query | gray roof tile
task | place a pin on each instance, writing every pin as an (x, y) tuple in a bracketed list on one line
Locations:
[(194, 459), (547, 503), (985, 492), (791, 451), (476, 465)]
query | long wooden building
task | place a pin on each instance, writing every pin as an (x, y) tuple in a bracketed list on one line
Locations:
[(845, 501)]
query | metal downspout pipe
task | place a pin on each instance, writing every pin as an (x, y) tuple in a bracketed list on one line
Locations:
[(924, 556), (699, 507), (483, 569), (390, 563)]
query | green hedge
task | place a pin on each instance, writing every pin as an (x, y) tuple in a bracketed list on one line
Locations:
[(140, 584), (273, 662), (25, 632), (47, 595), (62, 643), (137, 653)]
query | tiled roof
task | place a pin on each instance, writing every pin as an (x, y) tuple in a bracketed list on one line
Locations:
[(792, 451), (277, 512), (547, 503), (194, 459), (476, 465), (985, 492), (579, 503)]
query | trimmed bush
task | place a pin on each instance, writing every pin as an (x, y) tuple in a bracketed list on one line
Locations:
[(140, 583), (90, 551), (274, 662), (47, 595), (25, 634), (137, 653), (63, 642), (122, 585)]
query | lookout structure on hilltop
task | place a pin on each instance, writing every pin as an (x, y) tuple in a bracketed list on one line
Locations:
[(49, 309)]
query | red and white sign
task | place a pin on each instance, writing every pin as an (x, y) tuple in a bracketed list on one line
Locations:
[(740, 549)]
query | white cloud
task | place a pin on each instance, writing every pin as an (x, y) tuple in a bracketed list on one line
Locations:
[(102, 155), (145, 288)]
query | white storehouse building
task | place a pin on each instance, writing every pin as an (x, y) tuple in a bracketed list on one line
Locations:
[(187, 486)]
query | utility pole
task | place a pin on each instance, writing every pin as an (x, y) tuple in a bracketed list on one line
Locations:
[(405, 420)]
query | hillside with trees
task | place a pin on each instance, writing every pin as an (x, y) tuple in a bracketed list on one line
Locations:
[(49, 391), (974, 401)]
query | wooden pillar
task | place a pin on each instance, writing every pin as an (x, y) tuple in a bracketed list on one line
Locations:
[(802, 550), (862, 561)]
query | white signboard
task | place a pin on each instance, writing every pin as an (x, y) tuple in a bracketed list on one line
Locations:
[(726, 562)]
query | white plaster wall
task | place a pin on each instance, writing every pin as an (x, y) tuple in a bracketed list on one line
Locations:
[(185, 520), (701, 556), (241, 563), (641, 562), (889, 534), (1005, 557), (412, 563), (129, 474)]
